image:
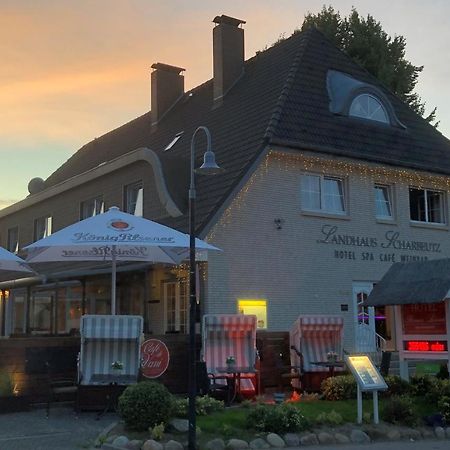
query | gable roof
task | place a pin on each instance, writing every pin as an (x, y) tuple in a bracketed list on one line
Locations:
[(280, 99)]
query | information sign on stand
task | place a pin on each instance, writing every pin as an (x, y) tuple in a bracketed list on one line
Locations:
[(368, 378)]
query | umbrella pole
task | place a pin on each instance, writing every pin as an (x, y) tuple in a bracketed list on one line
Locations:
[(113, 281)]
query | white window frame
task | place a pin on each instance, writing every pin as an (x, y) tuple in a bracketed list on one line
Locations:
[(95, 204), (369, 116), (322, 179), (44, 224), (427, 218), (390, 198), (8, 244), (138, 202), (181, 289)]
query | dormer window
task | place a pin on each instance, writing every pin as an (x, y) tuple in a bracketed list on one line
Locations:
[(367, 106)]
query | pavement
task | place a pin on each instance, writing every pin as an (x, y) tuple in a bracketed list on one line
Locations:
[(63, 430)]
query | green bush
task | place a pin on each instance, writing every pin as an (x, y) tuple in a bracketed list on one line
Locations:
[(396, 385), (146, 404), (443, 372), (203, 406), (422, 384), (342, 387), (332, 418), (444, 408), (439, 388), (6, 384), (399, 410), (279, 419)]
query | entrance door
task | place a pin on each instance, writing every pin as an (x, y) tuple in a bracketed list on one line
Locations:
[(176, 307), (365, 336)]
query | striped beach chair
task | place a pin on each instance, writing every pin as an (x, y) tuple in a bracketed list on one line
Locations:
[(225, 335), (314, 336), (105, 340)]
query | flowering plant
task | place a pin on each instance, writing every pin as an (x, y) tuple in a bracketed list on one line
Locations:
[(331, 355), (117, 365), (231, 360)]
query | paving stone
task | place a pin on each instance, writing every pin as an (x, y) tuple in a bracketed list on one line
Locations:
[(291, 439), (439, 432), (309, 439), (275, 440), (120, 441), (258, 443), (325, 438), (341, 438), (151, 444), (236, 443)]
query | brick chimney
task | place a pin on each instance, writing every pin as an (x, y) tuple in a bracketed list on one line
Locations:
[(167, 86), (228, 54)]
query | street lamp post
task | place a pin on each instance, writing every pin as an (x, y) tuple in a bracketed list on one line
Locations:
[(209, 167)]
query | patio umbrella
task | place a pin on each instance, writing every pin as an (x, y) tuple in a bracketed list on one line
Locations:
[(114, 236), (11, 266)]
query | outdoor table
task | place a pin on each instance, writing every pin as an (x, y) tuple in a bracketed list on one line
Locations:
[(236, 372), (330, 364)]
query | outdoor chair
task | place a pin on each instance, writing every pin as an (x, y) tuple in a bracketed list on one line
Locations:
[(217, 386), (60, 387)]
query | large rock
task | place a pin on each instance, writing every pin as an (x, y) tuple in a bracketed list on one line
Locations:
[(427, 433), (173, 445), (233, 444), (309, 439), (393, 434), (135, 444), (179, 425), (341, 438), (325, 438), (447, 432), (410, 434), (151, 444), (258, 443), (215, 444), (291, 439), (439, 432), (359, 437), (275, 440), (120, 441)]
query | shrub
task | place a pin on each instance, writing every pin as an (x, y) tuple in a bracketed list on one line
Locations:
[(396, 385), (399, 410), (6, 384), (332, 418), (339, 388), (443, 372), (146, 404), (439, 389), (157, 432), (444, 408), (421, 385), (279, 419), (203, 406)]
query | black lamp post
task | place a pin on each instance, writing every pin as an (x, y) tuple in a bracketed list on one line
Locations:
[(209, 167)]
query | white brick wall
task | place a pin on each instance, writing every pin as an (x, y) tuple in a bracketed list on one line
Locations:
[(288, 267)]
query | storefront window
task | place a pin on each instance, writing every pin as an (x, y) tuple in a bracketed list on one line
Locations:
[(98, 296), (69, 309), (18, 313), (41, 312), (257, 308)]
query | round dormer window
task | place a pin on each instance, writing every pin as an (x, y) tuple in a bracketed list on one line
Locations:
[(367, 106)]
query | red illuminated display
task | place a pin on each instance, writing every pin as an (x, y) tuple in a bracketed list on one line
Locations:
[(425, 346)]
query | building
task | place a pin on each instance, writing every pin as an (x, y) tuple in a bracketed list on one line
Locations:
[(329, 179)]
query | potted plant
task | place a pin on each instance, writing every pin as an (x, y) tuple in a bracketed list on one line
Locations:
[(231, 362), (117, 367), (331, 356)]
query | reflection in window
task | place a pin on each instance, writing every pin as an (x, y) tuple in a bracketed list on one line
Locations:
[(18, 302), (426, 205), (92, 207), (383, 205), (176, 306), (13, 239), (134, 199), (69, 309), (322, 193), (42, 227), (41, 312), (369, 107)]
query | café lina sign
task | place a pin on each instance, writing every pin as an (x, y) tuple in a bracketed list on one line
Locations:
[(154, 358)]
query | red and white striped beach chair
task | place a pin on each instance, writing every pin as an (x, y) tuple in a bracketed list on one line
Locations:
[(314, 336), (226, 335)]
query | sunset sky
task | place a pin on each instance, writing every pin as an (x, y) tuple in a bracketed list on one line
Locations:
[(75, 69)]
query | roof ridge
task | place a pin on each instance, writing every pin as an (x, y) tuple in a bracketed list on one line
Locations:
[(278, 109)]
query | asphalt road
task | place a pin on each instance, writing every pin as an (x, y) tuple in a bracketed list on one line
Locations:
[(62, 431)]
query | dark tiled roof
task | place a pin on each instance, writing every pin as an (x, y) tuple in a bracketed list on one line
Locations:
[(412, 283), (282, 99)]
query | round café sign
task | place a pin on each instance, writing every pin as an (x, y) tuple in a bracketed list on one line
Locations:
[(155, 358)]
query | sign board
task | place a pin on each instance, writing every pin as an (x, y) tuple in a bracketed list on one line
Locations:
[(365, 373), (154, 358)]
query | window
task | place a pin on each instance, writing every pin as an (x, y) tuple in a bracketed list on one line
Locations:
[(13, 239), (426, 205), (383, 202), (369, 107), (323, 193), (42, 227), (92, 207), (134, 199), (176, 307), (255, 307), (174, 141)]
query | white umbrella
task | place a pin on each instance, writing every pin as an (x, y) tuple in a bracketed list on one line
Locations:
[(11, 266), (114, 236)]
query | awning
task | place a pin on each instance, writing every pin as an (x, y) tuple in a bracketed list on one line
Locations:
[(411, 283)]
